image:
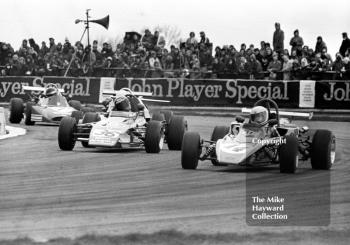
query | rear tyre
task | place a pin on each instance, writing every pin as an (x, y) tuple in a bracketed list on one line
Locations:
[(77, 115), (75, 104), (91, 117), (288, 155), (323, 150), (29, 109), (154, 138), (191, 150), (66, 130), (167, 115), (16, 110), (176, 130), (218, 133), (157, 116)]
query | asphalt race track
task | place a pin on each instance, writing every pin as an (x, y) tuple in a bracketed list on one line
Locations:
[(46, 193)]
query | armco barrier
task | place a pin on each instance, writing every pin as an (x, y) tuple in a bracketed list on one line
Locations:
[(196, 92)]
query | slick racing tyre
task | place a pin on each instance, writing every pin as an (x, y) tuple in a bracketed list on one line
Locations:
[(77, 115), (29, 109), (157, 116), (66, 130), (154, 138), (167, 115), (191, 150), (89, 117), (218, 133), (75, 104), (288, 155), (322, 150), (16, 110), (176, 130)]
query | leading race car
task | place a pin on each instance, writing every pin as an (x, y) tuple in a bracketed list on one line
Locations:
[(126, 123), (45, 105), (263, 139)]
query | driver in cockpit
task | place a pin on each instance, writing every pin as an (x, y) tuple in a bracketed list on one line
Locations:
[(44, 98), (259, 115)]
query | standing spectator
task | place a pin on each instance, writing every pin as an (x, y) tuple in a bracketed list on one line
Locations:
[(191, 41), (153, 58), (274, 66), (204, 39), (345, 45), (297, 43), (338, 63), (52, 44), (147, 40), (320, 44), (22, 52), (278, 39), (287, 67), (34, 45), (254, 66), (155, 38), (44, 49)]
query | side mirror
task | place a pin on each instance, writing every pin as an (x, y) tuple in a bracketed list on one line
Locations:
[(140, 107), (240, 119)]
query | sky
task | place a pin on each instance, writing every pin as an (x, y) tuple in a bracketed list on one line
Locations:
[(224, 21)]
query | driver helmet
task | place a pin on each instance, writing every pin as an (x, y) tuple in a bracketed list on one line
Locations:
[(121, 103), (50, 92), (259, 114)]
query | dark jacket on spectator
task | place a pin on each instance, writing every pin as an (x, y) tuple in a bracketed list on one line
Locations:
[(320, 46), (278, 41), (345, 45)]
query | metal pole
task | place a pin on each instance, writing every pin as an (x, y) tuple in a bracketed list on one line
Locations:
[(74, 55), (87, 26)]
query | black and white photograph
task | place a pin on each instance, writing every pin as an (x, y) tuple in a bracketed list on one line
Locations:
[(181, 122)]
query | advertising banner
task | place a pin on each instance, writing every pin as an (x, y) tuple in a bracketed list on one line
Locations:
[(83, 89), (332, 95), (215, 92)]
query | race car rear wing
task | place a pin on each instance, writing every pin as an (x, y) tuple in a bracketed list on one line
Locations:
[(286, 113), (39, 89), (126, 91)]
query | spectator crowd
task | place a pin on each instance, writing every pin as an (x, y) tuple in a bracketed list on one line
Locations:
[(147, 56)]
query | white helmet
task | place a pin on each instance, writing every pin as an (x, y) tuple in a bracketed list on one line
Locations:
[(259, 114)]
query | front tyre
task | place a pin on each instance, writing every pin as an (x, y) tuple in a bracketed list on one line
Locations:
[(288, 155), (66, 130), (175, 132), (154, 138), (16, 110), (323, 150), (191, 150)]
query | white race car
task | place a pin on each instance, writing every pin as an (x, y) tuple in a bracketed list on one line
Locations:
[(45, 105), (273, 140), (131, 128)]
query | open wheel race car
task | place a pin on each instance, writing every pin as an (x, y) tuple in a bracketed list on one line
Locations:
[(44, 105), (263, 139), (124, 127)]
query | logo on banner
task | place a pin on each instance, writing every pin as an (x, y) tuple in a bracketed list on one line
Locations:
[(307, 93), (106, 83)]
